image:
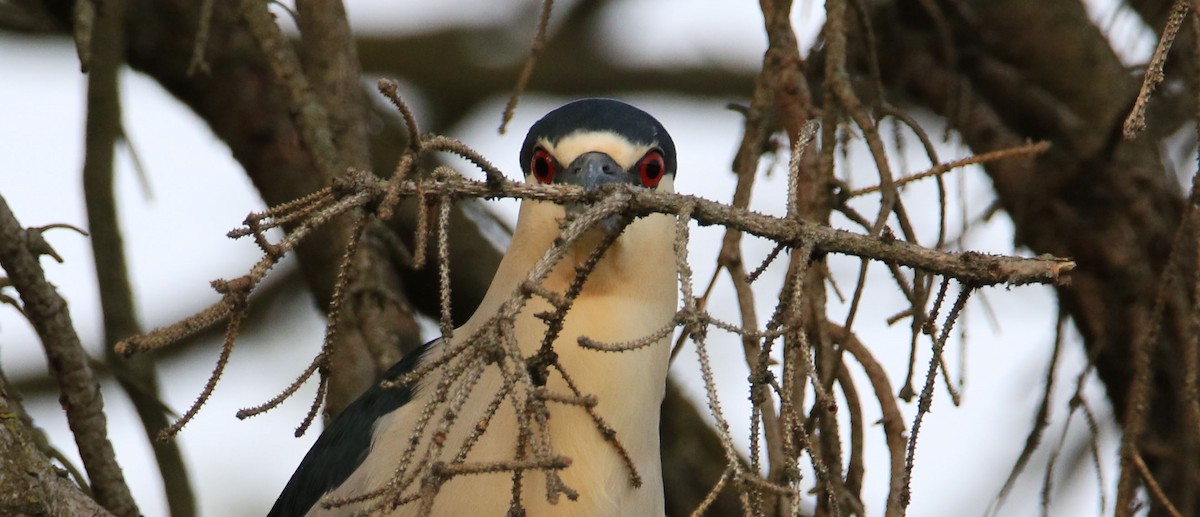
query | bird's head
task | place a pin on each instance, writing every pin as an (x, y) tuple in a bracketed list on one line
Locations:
[(595, 142)]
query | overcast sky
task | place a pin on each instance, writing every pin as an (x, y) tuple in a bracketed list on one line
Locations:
[(174, 236)]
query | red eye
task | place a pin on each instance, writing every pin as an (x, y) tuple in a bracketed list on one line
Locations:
[(651, 169), (542, 166)]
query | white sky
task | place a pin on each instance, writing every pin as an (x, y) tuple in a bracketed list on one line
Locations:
[(175, 245)]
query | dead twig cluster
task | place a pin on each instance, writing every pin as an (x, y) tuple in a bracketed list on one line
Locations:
[(811, 346), (493, 348)]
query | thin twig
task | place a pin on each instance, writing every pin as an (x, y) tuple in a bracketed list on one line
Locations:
[(893, 421), (535, 50), (926, 398), (999, 154), (231, 333), (1136, 121), (198, 63), (1154, 487)]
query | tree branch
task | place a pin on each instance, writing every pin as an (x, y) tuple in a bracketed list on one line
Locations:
[(81, 398), (29, 483), (136, 375), (969, 267)]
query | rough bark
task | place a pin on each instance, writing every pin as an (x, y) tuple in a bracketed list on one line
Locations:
[(79, 390), (29, 485)]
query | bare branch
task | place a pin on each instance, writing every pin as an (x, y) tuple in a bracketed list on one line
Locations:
[(1136, 121), (971, 267), (135, 375), (80, 391), (29, 483)]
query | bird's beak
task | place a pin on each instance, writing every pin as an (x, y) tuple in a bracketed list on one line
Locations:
[(590, 171)]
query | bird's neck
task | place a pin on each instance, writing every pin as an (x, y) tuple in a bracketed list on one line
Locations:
[(630, 294), (639, 266)]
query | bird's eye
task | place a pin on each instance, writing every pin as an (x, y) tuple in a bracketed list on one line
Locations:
[(651, 168), (542, 166)]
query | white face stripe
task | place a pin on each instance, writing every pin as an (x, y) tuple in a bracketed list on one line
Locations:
[(615, 146)]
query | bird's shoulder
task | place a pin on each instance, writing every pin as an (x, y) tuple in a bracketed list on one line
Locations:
[(344, 445)]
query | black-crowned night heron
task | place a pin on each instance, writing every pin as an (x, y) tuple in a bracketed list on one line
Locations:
[(631, 294)]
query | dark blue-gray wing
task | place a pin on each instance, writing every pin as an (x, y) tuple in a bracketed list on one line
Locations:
[(344, 445)]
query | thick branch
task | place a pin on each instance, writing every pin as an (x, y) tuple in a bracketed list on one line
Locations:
[(81, 398), (969, 267), (29, 483)]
